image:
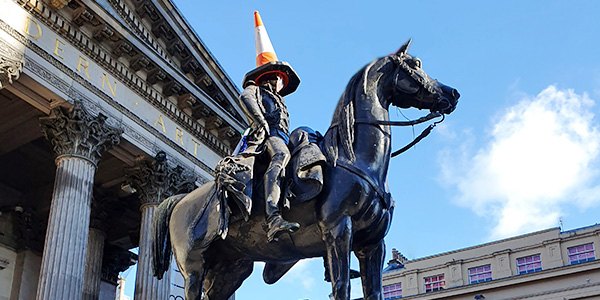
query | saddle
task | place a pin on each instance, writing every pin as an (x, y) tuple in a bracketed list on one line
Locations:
[(234, 177), (305, 169)]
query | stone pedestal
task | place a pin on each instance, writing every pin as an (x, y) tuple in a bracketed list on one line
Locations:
[(78, 140)]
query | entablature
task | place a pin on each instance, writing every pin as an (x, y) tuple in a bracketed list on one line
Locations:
[(113, 46)]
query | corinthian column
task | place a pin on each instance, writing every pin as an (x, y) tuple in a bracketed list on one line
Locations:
[(78, 139), (95, 247), (154, 181)]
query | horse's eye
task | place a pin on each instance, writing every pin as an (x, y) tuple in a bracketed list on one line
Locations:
[(418, 63)]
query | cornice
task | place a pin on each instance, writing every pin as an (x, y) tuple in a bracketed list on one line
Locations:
[(91, 46), (192, 60), (74, 94), (192, 41)]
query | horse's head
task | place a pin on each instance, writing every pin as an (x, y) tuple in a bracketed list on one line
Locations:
[(412, 87)]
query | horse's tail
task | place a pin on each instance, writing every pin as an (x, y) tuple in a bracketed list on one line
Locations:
[(161, 240)]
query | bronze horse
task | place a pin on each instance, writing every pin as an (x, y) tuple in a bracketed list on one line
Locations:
[(352, 213)]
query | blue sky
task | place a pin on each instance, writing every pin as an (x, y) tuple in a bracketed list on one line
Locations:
[(520, 151)]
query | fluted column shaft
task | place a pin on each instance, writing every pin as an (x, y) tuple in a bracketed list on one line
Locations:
[(78, 140), (93, 264), (154, 181), (63, 261), (146, 285)]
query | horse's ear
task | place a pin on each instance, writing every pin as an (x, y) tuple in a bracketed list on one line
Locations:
[(404, 48)]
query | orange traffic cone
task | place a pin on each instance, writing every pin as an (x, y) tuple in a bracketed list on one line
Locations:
[(267, 62), (264, 49)]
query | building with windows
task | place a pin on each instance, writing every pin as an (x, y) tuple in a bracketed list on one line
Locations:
[(107, 107), (548, 264)]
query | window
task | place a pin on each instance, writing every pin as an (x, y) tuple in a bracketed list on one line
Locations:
[(581, 253), (529, 264), (393, 291), (434, 283), (480, 274)]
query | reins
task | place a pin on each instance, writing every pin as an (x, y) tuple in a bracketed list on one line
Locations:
[(423, 134)]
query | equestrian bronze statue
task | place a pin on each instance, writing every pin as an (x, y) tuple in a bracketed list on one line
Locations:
[(335, 188)]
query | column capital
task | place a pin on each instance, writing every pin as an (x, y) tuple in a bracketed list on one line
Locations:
[(104, 206), (116, 260), (75, 132), (11, 66), (154, 180)]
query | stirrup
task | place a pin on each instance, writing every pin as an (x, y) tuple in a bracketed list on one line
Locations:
[(278, 225)]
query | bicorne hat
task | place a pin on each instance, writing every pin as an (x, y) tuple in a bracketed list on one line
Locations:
[(267, 63)]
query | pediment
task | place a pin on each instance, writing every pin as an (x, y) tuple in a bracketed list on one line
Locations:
[(157, 44)]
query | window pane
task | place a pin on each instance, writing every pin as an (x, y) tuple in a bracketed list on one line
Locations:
[(589, 246), (536, 258)]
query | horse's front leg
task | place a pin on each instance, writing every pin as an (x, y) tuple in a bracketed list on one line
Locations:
[(371, 265), (338, 239)]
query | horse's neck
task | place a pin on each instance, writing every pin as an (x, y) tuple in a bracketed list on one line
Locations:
[(372, 143)]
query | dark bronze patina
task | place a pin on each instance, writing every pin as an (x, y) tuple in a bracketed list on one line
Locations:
[(217, 232)]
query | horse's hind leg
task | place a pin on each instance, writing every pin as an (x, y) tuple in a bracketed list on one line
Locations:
[(193, 285), (338, 240), (192, 269), (371, 263), (225, 276)]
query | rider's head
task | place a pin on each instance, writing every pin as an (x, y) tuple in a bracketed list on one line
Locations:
[(273, 79)]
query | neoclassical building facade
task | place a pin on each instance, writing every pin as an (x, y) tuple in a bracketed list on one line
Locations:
[(107, 107), (545, 265)]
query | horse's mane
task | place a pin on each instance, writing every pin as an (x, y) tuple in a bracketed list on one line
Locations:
[(341, 131)]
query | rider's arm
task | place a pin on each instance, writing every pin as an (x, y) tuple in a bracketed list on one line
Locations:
[(249, 99)]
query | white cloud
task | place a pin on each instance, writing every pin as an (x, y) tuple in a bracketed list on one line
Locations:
[(541, 156), (301, 273)]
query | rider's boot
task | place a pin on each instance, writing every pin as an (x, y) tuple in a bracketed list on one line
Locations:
[(276, 223)]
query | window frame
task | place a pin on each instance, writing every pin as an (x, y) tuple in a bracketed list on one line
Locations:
[(393, 288), (585, 250), (527, 264), (483, 272), (441, 283)]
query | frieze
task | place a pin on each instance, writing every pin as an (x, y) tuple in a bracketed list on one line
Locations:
[(136, 83), (74, 94)]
